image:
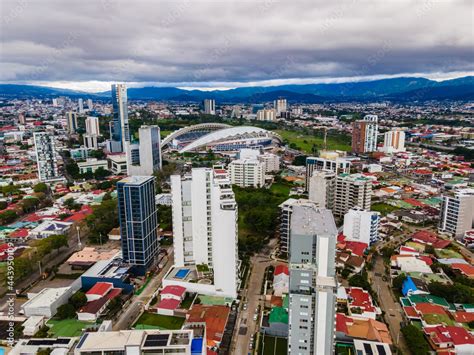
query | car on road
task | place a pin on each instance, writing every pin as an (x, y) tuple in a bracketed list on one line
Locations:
[(255, 317)]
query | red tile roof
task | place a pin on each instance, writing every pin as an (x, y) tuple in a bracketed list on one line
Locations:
[(281, 268), (426, 259), (414, 202), (169, 303), (215, 318), (19, 233), (463, 316), (100, 288), (466, 269), (174, 290), (94, 306), (428, 308), (410, 312), (357, 248), (449, 334), (360, 298)]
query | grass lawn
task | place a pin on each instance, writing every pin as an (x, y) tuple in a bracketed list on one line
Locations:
[(159, 321), (447, 253), (273, 346), (164, 133), (437, 319), (280, 189), (383, 208), (66, 327), (305, 142)]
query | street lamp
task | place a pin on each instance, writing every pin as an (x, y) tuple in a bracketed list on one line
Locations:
[(79, 244)]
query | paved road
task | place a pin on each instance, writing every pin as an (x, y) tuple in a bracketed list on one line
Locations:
[(137, 304), (393, 310)]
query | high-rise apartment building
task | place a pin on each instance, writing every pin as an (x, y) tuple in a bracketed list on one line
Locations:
[(247, 172), (121, 131), (80, 105), (312, 291), (361, 226), (394, 141), (145, 158), (321, 188), (205, 225), (364, 135), (209, 106), (457, 213), (351, 191), (336, 164), (280, 106), (286, 209), (89, 104), (266, 115), (92, 133), (46, 157), (71, 122), (138, 221)]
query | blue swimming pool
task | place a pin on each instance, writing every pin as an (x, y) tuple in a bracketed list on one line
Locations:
[(182, 273)]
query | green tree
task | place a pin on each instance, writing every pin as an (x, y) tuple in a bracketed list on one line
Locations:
[(103, 218), (73, 169), (40, 187), (58, 241), (3, 205), (7, 216), (416, 339), (397, 282), (78, 300), (66, 311), (98, 154), (101, 173)]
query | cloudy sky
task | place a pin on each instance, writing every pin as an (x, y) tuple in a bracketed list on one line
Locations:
[(196, 43)]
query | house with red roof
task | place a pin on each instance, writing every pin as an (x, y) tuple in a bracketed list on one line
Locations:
[(99, 290), (167, 306), (281, 280), (215, 318), (174, 292), (445, 338), (426, 237), (465, 269), (360, 304), (95, 308)]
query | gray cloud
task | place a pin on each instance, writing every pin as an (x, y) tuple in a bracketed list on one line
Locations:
[(196, 41)]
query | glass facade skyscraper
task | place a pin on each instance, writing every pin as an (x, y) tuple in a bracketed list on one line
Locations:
[(138, 221), (121, 131)]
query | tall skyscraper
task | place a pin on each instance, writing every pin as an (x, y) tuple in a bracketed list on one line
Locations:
[(121, 131), (286, 210), (364, 135), (89, 104), (335, 164), (71, 122), (394, 141), (21, 118), (209, 106), (92, 133), (205, 225), (457, 212), (55, 102), (361, 226), (321, 188), (280, 106), (312, 291), (138, 221), (145, 158), (80, 105), (46, 157), (351, 191)]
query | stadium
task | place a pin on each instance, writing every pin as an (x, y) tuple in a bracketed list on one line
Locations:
[(219, 137)]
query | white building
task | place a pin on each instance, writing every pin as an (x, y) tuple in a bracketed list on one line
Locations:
[(247, 173), (364, 134), (280, 106), (331, 163), (351, 191), (145, 158), (92, 125), (266, 115), (321, 188), (90, 141), (80, 105), (133, 342), (209, 106), (89, 104), (205, 225), (46, 302), (46, 157), (91, 165), (457, 213), (271, 161), (32, 325), (361, 226), (48, 228), (117, 163), (394, 141), (312, 293)]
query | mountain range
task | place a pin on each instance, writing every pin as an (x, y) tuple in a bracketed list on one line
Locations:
[(406, 89)]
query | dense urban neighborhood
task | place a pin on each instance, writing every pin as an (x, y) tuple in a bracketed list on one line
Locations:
[(270, 228)]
